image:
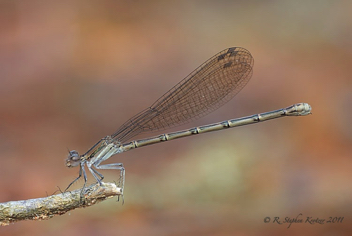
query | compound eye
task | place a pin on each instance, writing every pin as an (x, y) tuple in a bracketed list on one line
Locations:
[(73, 155), (73, 159)]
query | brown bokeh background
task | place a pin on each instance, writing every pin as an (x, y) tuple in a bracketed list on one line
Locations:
[(73, 71)]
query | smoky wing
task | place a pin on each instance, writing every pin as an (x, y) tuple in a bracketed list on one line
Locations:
[(207, 88)]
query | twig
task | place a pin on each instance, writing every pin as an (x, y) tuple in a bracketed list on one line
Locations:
[(46, 208)]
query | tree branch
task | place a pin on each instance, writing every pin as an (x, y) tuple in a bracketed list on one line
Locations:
[(46, 208)]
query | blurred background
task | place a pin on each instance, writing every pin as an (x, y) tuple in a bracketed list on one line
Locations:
[(73, 71)]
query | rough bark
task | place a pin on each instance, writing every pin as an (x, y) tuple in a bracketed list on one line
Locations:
[(59, 204)]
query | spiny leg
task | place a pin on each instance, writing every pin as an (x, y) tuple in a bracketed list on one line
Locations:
[(95, 173), (115, 166), (81, 170), (85, 180), (100, 175)]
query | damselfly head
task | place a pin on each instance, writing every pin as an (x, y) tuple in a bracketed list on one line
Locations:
[(73, 159)]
